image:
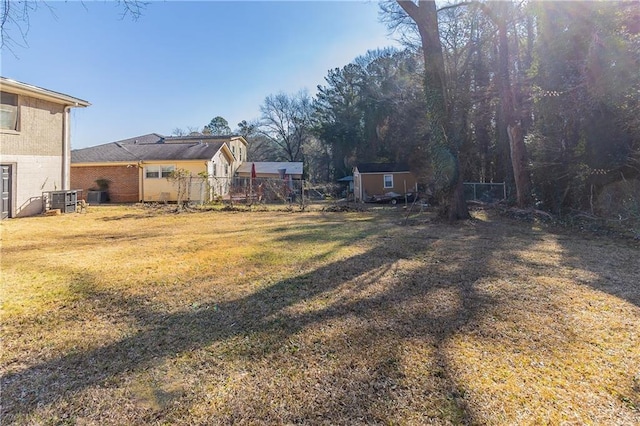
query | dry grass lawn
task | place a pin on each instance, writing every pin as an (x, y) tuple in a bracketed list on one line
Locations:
[(128, 315)]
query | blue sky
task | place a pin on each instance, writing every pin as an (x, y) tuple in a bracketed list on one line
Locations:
[(183, 63)]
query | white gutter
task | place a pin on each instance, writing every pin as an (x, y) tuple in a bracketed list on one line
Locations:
[(66, 143), (40, 93), (66, 149), (141, 180)]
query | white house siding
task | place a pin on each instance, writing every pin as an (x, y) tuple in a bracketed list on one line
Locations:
[(239, 150), (221, 175), (35, 174)]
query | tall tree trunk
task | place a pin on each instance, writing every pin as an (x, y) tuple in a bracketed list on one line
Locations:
[(425, 15), (481, 117), (515, 133)]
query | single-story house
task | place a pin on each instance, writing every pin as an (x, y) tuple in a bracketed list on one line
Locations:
[(35, 145), (378, 179), (271, 169), (137, 168)]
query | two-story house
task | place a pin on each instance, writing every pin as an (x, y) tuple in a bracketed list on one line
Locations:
[(35, 145)]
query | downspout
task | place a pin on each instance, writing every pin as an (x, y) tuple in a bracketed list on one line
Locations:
[(66, 148), (141, 180)]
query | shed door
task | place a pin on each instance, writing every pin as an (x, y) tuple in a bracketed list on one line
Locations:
[(6, 191)]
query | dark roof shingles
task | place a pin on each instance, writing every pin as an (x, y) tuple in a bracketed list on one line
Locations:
[(145, 148), (383, 167)]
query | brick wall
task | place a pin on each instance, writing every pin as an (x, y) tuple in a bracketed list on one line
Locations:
[(39, 129), (124, 181)]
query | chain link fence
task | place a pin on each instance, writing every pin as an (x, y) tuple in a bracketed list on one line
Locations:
[(485, 192), (202, 190)]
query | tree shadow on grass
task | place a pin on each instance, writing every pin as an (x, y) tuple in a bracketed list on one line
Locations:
[(614, 264), (272, 311)]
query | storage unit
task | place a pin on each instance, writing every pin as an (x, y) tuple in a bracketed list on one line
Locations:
[(66, 201)]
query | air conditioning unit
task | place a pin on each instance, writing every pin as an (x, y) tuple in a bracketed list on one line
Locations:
[(66, 201), (97, 197)]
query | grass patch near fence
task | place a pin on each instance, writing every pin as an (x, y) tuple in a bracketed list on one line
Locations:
[(130, 315)]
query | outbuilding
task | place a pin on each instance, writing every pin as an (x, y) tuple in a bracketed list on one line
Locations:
[(375, 181)]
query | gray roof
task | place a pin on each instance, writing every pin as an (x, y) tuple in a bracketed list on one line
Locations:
[(145, 148), (382, 167), (144, 139), (199, 138), (271, 167)]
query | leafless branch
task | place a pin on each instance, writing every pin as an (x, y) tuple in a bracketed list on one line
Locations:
[(15, 22), (132, 8)]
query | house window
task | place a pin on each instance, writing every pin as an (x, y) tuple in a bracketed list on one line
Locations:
[(214, 169), (226, 170), (167, 170), (388, 181), (240, 154), (157, 172), (152, 172), (9, 111)]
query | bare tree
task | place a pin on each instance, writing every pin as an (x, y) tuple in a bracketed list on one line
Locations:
[(259, 148), (286, 122), (15, 23), (178, 131)]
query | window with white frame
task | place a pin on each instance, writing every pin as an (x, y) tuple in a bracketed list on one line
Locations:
[(157, 172), (166, 171), (388, 181), (240, 154), (8, 111)]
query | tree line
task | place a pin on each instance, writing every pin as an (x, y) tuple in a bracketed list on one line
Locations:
[(541, 95), (544, 96)]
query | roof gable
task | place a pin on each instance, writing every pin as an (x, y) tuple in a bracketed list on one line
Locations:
[(144, 139)]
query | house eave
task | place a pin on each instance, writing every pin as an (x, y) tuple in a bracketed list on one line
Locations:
[(19, 88), (383, 173), (176, 160), (225, 149), (104, 163)]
